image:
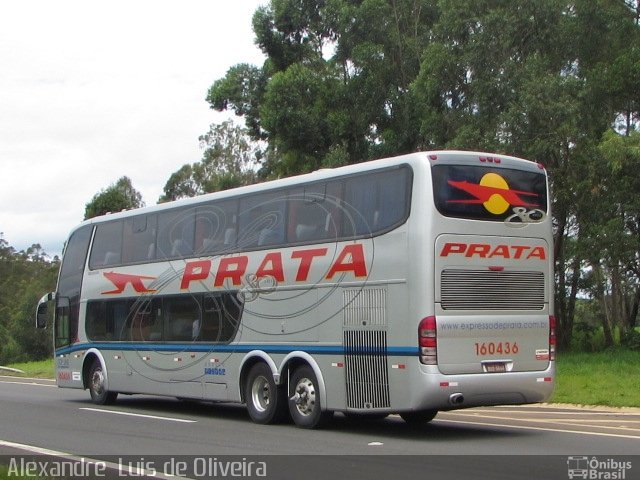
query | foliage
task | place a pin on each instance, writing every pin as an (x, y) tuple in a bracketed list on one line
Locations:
[(24, 277), (230, 160), (117, 197), (596, 379), (346, 81)]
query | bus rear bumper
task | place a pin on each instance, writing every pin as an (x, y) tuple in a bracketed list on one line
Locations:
[(448, 392)]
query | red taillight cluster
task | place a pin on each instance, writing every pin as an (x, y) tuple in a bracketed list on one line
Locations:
[(552, 337), (428, 341)]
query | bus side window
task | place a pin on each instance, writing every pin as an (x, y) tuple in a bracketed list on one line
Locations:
[(262, 220), (176, 234), (221, 316), (182, 317), (107, 245)]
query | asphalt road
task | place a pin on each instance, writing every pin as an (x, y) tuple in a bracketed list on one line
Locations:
[(498, 442)]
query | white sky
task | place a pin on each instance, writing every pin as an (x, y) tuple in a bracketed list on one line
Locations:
[(94, 90)]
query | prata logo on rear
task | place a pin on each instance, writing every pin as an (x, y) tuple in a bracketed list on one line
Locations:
[(489, 251), (495, 195)]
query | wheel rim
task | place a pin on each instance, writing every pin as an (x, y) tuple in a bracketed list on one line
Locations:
[(305, 397), (97, 381), (260, 394)]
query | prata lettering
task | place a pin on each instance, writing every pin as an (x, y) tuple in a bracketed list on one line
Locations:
[(484, 250)]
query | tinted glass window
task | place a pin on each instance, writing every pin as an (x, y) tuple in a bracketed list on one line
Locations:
[(176, 233), (216, 227), (375, 203), (69, 286), (484, 193), (175, 318), (262, 220), (107, 245), (139, 240)]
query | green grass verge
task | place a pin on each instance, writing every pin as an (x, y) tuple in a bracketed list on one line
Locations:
[(41, 369), (610, 378)]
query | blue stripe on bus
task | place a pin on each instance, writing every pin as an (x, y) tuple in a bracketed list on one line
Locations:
[(239, 348)]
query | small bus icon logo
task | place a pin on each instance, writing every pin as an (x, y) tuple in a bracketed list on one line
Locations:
[(578, 467)]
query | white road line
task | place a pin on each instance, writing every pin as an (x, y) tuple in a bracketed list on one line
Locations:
[(13, 377), (564, 412), (140, 415), (523, 427), (33, 384)]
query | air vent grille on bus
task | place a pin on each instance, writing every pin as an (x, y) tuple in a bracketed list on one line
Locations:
[(366, 370), (492, 290)]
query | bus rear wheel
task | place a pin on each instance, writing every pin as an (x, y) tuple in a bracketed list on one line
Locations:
[(418, 418), (97, 386), (304, 404), (266, 401)]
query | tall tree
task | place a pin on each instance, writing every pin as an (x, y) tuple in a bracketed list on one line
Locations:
[(230, 160), (347, 80), (119, 196)]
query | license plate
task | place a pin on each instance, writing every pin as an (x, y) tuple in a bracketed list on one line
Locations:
[(495, 367)]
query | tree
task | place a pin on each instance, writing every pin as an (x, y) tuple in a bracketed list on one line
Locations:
[(335, 86), (117, 197), (345, 81), (24, 277), (230, 160)]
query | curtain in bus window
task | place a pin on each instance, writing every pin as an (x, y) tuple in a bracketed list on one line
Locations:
[(107, 245), (176, 233)]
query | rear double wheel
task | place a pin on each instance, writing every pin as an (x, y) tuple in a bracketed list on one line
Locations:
[(266, 401), (304, 401)]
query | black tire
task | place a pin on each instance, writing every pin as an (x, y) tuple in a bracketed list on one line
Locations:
[(266, 401), (418, 418), (97, 386), (304, 400), (353, 416)]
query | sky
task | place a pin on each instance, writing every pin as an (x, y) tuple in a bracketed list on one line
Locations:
[(91, 91)]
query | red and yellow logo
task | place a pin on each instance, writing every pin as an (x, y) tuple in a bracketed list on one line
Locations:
[(494, 193)]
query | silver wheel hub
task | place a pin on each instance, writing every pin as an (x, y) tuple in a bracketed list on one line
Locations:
[(97, 381), (305, 396), (260, 394)]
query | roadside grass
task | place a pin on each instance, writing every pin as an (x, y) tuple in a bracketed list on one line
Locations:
[(610, 378), (41, 369)]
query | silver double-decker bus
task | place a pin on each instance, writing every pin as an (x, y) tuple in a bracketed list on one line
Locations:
[(405, 285)]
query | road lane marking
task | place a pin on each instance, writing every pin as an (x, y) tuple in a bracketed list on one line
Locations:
[(33, 384), (585, 422), (140, 415), (524, 427)]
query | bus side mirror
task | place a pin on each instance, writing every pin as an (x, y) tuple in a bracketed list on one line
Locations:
[(42, 309)]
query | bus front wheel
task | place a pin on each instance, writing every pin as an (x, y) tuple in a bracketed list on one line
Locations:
[(97, 386), (304, 402), (266, 401)]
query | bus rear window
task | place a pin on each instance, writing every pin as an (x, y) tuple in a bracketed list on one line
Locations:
[(486, 193)]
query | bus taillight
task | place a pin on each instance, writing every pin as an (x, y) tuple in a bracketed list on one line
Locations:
[(552, 337), (427, 338)]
